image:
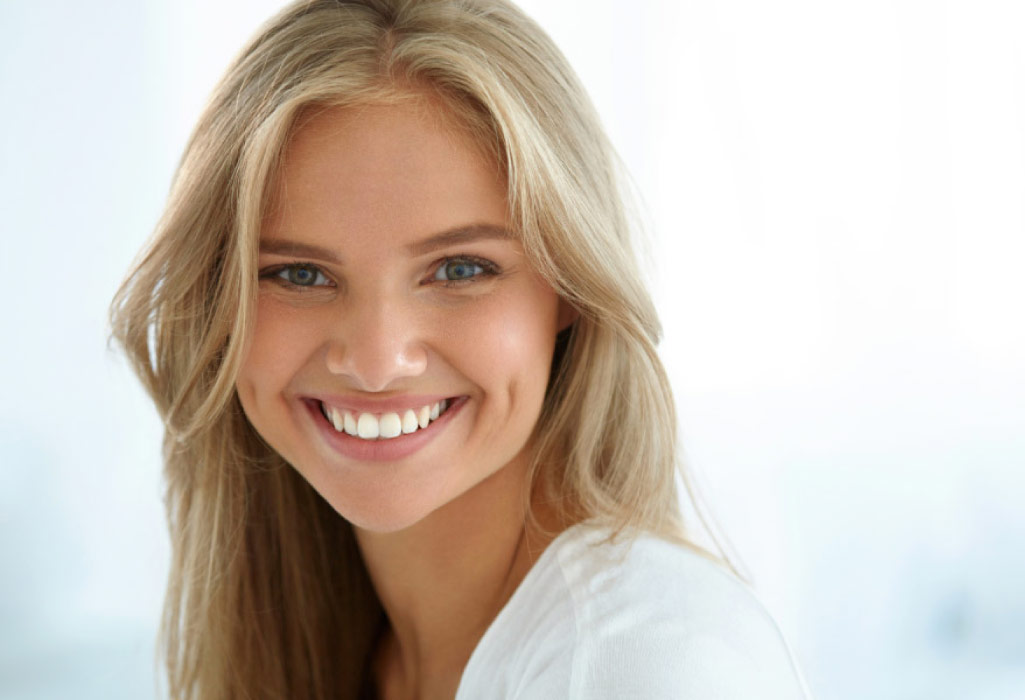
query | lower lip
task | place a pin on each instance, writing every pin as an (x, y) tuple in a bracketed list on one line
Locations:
[(387, 450)]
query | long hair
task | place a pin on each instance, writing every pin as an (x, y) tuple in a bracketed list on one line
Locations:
[(268, 596)]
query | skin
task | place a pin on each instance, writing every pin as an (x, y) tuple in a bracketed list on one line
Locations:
[(441, 531)]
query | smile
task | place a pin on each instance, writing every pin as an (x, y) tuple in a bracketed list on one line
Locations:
[(378, 436), (383, 426)]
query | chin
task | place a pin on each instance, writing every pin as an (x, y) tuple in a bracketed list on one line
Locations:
[(386, 517), (383, 524)]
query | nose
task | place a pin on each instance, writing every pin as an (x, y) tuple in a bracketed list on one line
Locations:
[(375, 345)]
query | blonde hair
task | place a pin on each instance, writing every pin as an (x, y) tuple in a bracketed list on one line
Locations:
[(268, 595)]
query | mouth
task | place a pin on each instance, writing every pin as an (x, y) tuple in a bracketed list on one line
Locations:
[(385, 426)]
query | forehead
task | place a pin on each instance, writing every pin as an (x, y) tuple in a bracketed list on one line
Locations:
[(379, 169)]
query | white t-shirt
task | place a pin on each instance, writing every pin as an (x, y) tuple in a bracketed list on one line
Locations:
[(651, 621)]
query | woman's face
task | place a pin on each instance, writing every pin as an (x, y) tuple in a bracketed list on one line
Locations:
[(391, 287)]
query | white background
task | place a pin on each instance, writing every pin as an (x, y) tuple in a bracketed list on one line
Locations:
[(836, 195)]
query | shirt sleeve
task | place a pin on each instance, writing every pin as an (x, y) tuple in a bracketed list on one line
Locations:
[(663, 661), (671, 629)]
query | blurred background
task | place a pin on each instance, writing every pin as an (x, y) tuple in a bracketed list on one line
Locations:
[(835, 194)]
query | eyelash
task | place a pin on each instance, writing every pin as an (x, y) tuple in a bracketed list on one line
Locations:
[(488, 269), (274, 275)]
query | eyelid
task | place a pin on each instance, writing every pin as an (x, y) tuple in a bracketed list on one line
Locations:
[(488, 269), (273, 274)]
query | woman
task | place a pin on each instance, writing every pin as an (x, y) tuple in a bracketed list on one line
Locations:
[(419, 442)]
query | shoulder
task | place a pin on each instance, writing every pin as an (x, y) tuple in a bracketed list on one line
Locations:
[(652, 619)]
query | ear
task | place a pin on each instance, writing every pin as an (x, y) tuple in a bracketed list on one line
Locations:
[(567, 314)]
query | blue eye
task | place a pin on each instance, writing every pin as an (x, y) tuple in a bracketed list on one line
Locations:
[(458, 269), (300, 275)]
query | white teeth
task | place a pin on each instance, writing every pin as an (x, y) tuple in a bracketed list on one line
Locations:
[(336, 418), (390, 425), (409, 423), (368, 428)]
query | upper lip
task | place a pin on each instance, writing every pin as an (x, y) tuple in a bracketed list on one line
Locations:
[(391, 404)]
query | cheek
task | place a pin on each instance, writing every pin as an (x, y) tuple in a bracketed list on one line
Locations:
[(510, 342), (276, 350)]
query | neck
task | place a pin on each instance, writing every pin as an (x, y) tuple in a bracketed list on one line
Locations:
[(444, 580)]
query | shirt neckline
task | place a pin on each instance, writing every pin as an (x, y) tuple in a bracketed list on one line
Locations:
[(538, 566)]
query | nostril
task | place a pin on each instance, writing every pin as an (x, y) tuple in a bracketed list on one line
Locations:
[(375, 353)]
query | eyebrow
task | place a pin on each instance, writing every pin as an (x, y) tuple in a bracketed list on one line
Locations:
[(277, 246), (453, 236)]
